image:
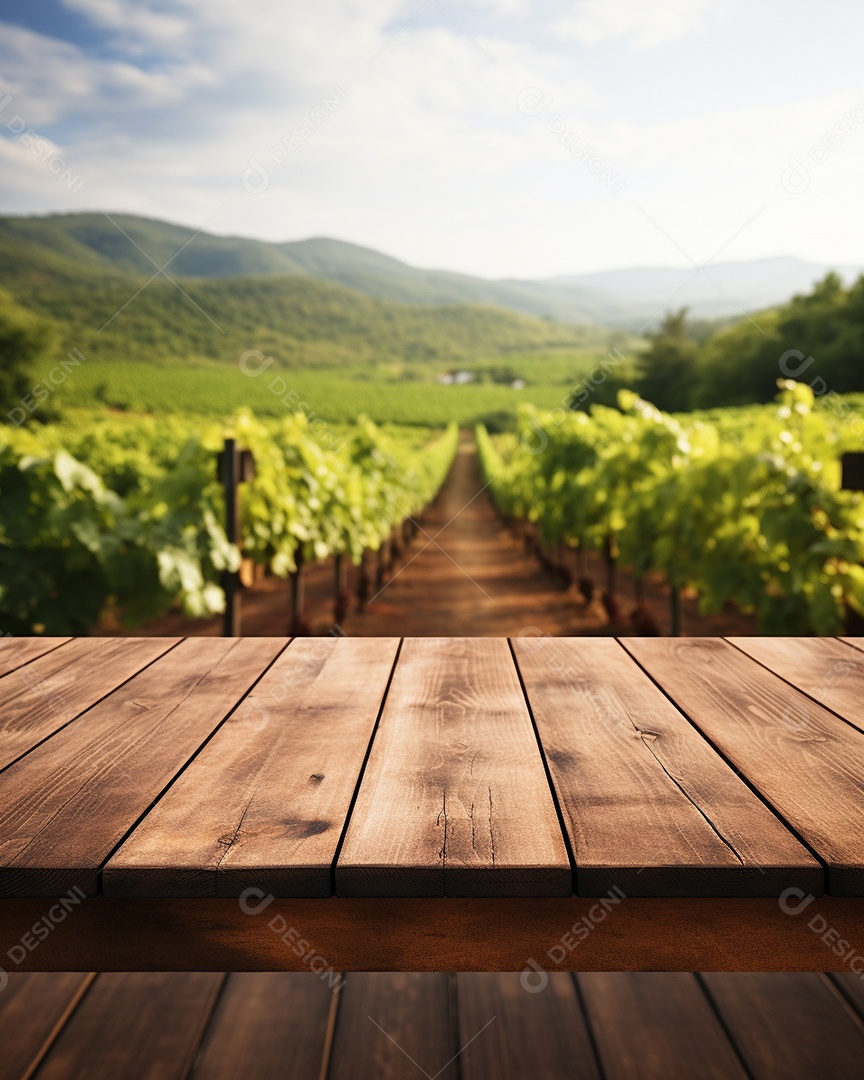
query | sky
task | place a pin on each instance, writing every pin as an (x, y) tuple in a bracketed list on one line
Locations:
[(501, 137)]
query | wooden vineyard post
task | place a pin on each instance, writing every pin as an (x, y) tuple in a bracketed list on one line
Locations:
[(340, 588), (235, 466), (611, 564), (675, 605), (381, 560), (852, 465), (610, 557), (362, 584), (395, 546), (297, 627)]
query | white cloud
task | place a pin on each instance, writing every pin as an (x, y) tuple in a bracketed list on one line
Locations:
[(53, 80), (429, 156), (135, 19), (646, 23)]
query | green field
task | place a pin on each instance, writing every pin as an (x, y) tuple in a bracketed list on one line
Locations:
[(337, 396)]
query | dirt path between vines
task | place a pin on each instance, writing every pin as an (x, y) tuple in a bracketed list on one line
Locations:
[(468, 575), (465, 574)]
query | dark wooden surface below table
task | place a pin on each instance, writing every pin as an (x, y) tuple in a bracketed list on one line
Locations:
[(617, 1026)]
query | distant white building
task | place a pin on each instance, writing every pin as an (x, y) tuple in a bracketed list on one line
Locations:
[(459, 378)]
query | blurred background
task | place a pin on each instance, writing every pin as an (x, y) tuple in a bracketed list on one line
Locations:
[(431, 318)]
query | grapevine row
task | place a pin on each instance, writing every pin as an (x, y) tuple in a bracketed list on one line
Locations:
[(125, 518), (743, 505)]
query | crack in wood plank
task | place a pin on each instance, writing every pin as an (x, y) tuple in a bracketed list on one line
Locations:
[(230, 842), (442, 854), (648, 743)]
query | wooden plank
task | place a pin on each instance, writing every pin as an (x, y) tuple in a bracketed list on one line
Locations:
[(793, 1025), (855, 642), (454, 800), (650, 808), (823, 668), (394, 1027), (509, 1033), (33, 1009), (268, 1024), (265, 802), (657, 1026), (136, 1025), (850, 983), (15, 652), (807, 763), (65, 806), (44, 696)]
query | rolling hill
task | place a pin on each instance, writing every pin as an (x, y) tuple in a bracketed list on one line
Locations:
[(619, 298), (108, 308), (138, 245)]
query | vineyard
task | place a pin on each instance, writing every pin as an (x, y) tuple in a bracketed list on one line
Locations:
[(129, 515), (123, 519), (742, 505), (338, 394)]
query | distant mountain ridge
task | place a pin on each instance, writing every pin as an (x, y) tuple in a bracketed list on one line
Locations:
[(722, 289), (627, 298), (107, 299)]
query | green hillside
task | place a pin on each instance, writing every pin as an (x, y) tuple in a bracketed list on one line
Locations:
[(82, 277), (120, 244), (626, 299)]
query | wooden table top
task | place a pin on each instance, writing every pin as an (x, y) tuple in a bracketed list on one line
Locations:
[(362, 767), (209, 1026)]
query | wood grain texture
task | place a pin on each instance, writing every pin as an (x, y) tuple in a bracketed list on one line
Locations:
[(99, 737), (851, 984), (139, 1026), (269, 1025), (65, 806), (15, 652), (33, 1010), (855, 642), (804, 761), (395, 1026), (510, 1034), (794, 1025), (650, 808), (822, 668), (41, 698), (656, 1026), (454, 800), (426, 934), (264, 804)]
